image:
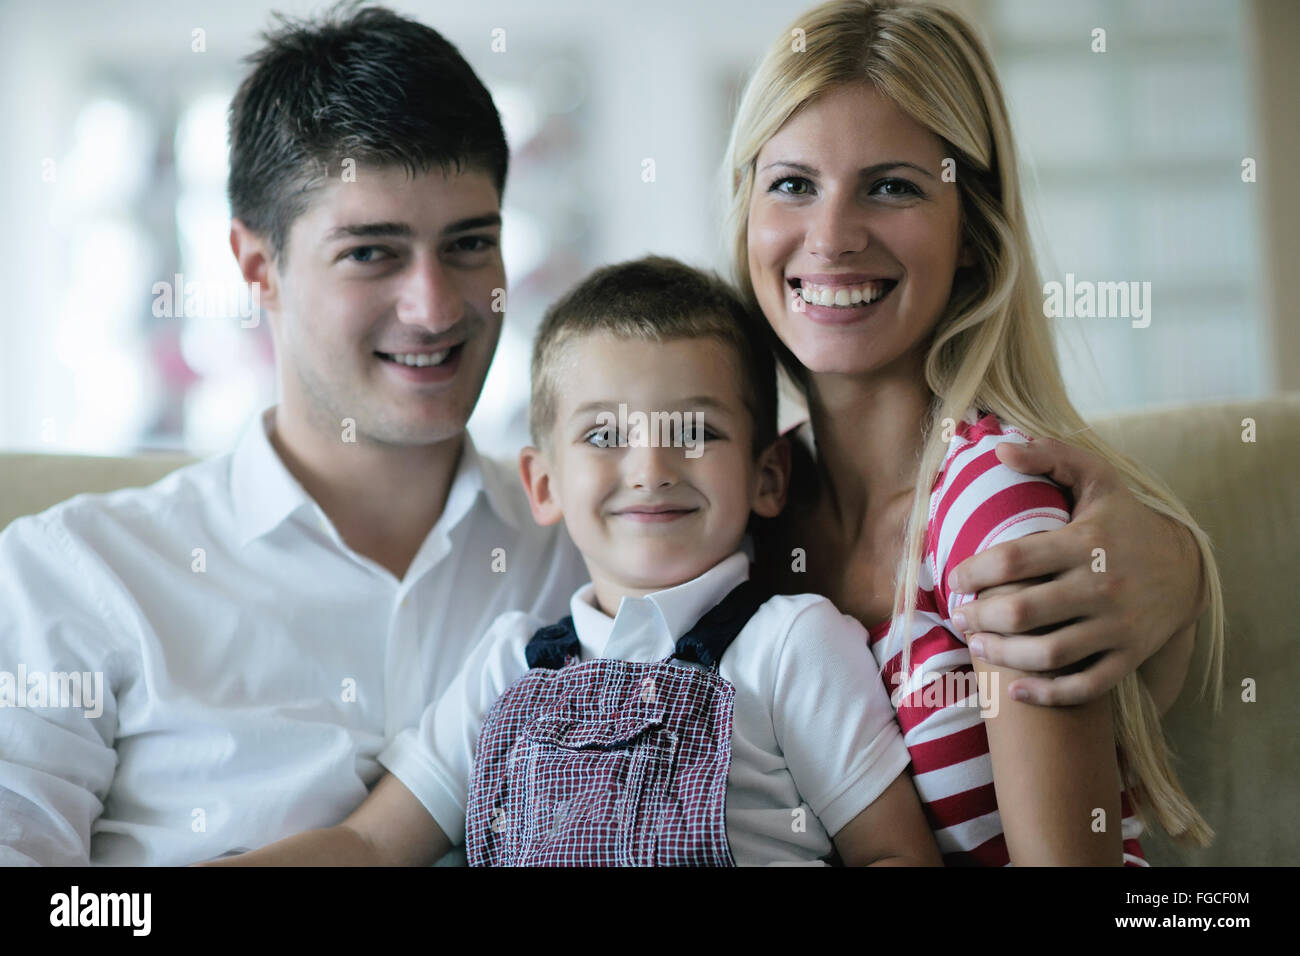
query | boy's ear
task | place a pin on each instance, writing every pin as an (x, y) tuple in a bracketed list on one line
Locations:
[(534, 470), (773, 474), (256, 263)]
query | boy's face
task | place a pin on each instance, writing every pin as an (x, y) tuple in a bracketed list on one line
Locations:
[(387, 266), (647, 518)]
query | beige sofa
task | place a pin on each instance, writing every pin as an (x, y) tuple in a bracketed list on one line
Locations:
[(1242, 765)]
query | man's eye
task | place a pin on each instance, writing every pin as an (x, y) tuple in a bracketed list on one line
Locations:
[(366, 254), (467, 244)]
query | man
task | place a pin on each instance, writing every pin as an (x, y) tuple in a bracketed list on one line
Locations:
[(264, 622)]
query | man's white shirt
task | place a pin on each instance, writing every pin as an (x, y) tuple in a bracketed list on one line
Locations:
[(814, 739), (252, 665)]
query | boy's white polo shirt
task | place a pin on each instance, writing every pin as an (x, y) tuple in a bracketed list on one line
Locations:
[(814, 740)]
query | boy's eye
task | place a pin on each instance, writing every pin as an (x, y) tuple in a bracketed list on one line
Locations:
[(600, 438), (695, 432)]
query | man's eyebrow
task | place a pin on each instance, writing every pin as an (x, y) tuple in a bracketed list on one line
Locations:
[(864, 172), (369, 230)]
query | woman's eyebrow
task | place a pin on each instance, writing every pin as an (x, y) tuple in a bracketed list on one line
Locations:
[(862, 173)]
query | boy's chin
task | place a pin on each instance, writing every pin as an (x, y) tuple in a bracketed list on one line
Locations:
[(664, 566)]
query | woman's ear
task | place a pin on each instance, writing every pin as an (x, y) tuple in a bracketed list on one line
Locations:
[(773, 479), (534, 470)]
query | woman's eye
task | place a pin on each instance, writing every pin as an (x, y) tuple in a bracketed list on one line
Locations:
[(897, 187), (776, 186)]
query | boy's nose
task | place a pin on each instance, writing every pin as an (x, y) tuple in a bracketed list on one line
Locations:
[(649, 468)]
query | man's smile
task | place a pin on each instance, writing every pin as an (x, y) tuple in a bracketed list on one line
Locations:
[(424, 366)]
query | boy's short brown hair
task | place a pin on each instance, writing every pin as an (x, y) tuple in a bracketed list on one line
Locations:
[(657, 298)]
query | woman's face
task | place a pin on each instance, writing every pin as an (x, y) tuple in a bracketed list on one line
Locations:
[(853, 234)]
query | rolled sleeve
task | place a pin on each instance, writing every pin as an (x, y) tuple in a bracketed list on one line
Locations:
[(434, 760), (832, 717)]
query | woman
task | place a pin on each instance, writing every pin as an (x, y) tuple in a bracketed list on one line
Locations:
[(876, 222)]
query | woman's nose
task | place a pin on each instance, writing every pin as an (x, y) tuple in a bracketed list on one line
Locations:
[(838, 228)]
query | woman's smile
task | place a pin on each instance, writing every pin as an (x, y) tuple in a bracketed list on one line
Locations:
[(840, 303)]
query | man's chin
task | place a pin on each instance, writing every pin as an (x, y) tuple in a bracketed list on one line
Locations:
[(410, 431)]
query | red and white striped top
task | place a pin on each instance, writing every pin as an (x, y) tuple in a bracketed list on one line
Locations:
[(976, 503)]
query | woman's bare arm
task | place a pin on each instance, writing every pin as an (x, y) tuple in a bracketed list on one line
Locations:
[(1056, 776)]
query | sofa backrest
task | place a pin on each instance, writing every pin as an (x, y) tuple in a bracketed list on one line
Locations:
[(1241, 766)]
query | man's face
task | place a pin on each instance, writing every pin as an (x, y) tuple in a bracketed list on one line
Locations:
[(383, 309)]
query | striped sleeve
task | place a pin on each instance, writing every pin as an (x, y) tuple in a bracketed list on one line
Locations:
[(978, 502)]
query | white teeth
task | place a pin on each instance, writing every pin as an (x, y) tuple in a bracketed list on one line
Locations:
[(422, 359), (863, 294)]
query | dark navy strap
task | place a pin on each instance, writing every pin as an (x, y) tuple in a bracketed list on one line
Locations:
[(705, 643), (552, 645), (709, 639)]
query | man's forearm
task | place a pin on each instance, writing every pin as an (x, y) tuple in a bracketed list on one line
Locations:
[(333, 846)]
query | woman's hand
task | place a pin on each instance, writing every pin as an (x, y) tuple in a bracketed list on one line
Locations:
[(1118, 582)]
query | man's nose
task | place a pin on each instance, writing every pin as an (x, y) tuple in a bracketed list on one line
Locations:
[(648, 468), (430, 296)]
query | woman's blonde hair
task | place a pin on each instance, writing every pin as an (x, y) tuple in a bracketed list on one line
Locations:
[(992, 348)]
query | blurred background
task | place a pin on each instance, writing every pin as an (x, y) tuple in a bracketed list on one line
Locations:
[(114, 166)]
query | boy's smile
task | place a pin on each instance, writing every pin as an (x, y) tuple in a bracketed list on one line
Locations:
[(644, 513)]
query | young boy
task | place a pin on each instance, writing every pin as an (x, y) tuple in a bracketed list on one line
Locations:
[(679, 715)]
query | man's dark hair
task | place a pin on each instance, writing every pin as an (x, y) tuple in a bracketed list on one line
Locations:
[(656, 299), (368, 85)]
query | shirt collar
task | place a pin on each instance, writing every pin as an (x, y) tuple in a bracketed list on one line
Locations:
[(648, 628), (265, 493), (498, 481)]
